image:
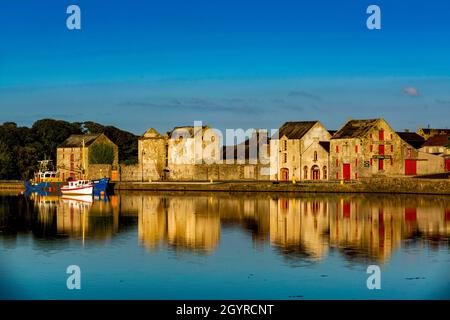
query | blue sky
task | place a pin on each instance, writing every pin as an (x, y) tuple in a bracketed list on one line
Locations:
[(232, 64)]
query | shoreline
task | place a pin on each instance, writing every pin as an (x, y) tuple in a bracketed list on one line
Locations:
[(372, 185)]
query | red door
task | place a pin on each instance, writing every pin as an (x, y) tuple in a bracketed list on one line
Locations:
[(346, 171), (447, 164), (410, 167), (380, 164)]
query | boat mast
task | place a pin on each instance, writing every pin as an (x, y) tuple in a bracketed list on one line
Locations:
[(83, 160)]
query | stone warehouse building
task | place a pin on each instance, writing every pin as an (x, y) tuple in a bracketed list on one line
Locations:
[(303, 152), (192, 153), (69, 157), (439, 145), (366, 148)]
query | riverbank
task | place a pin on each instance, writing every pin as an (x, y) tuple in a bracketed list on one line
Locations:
[(9, 185), (373, 185)]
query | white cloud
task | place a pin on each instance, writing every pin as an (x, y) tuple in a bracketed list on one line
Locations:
[(413, 92)]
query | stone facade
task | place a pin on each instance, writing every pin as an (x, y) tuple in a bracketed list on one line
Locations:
[(303, 152), (69, 157), (367, 148)]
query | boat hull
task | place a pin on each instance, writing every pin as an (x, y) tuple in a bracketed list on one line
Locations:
[(100, 185), (88, 190)]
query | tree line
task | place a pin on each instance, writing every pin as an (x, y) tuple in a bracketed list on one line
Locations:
[(22, 147)]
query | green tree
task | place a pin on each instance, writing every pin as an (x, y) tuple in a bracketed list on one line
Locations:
[(101, 153)]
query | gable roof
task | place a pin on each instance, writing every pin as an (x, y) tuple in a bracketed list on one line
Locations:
[(355, 129), (412, 138), (151, 133), (76, 140), (441, 140), (296, 129)]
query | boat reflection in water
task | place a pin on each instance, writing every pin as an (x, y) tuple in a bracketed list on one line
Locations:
[(360, 227)]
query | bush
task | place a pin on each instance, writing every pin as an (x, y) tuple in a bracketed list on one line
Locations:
[(101, 153)]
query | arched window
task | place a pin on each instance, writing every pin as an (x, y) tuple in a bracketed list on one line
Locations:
[(315, 155), (325, 173), (305, 172)]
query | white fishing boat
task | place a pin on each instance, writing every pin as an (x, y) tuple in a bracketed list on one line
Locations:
[(78, 187)]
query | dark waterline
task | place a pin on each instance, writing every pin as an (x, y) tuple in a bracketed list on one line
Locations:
[(146, 245)]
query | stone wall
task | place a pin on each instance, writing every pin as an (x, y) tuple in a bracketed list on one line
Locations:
[(217, 172), (200, 172), (365, 185), (98, 171), (130, 172)]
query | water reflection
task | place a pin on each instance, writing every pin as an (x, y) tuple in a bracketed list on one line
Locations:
[(361, 227)]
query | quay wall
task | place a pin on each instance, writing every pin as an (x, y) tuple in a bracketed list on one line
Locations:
[(369, 185)]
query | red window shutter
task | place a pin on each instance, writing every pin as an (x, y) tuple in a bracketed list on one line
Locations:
[(371, 162), (356, 175), (371, 148), (356, 149), (356, 162), (337, 149), (337, 162), (381, 135), (381, 149)]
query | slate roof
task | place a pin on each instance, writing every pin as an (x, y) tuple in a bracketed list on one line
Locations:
[(325, 145), (181, 131), (296, 130), (412, 138), (231, 152), (441, 131), (355, 129), (76, 140), (438, 141)]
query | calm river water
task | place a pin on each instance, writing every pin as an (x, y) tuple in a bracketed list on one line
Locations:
[(145, 245)]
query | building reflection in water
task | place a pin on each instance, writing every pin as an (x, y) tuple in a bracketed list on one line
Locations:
[(361, 227)]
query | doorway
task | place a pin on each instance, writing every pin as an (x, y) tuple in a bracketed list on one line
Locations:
[(284, 174)]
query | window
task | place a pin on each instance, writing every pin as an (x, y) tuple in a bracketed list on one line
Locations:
[(356, 149), (356, 175), (337, 175), (325, 173), (315, 155), (305, 172), (337, 162), (392, 148), (371, 162), (356, 162), (371, 148), (392, 137), (381, 135), (337, 149)]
